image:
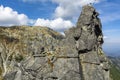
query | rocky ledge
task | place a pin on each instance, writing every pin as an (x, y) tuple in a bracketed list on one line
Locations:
[(39, 53)]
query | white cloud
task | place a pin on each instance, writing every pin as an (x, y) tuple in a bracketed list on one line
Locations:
[(69, 9), (10, 17), (65, 12), (57, 24), (105, 37)]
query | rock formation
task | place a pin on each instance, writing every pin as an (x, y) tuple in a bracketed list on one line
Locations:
[(39, 53)]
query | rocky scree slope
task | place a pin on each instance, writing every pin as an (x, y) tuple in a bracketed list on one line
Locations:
[(39, 53)]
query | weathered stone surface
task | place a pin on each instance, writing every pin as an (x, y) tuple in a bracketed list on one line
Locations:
[(92, 39), (39, 53)]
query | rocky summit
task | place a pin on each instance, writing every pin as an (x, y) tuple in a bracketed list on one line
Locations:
[(40, 53)]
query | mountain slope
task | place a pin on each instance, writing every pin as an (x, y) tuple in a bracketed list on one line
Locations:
[(115, 67)]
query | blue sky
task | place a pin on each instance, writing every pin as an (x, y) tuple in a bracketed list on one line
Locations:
[(63, 14)]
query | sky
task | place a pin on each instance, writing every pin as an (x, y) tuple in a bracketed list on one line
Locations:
[(63, 14)]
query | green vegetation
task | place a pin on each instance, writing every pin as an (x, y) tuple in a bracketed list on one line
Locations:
[(0, 71), (1, 74), (114, 72), (19, 58)]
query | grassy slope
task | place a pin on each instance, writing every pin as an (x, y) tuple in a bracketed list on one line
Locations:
[(114, 72)]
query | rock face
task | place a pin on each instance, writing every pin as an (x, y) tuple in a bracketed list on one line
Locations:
[(39, 53)]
